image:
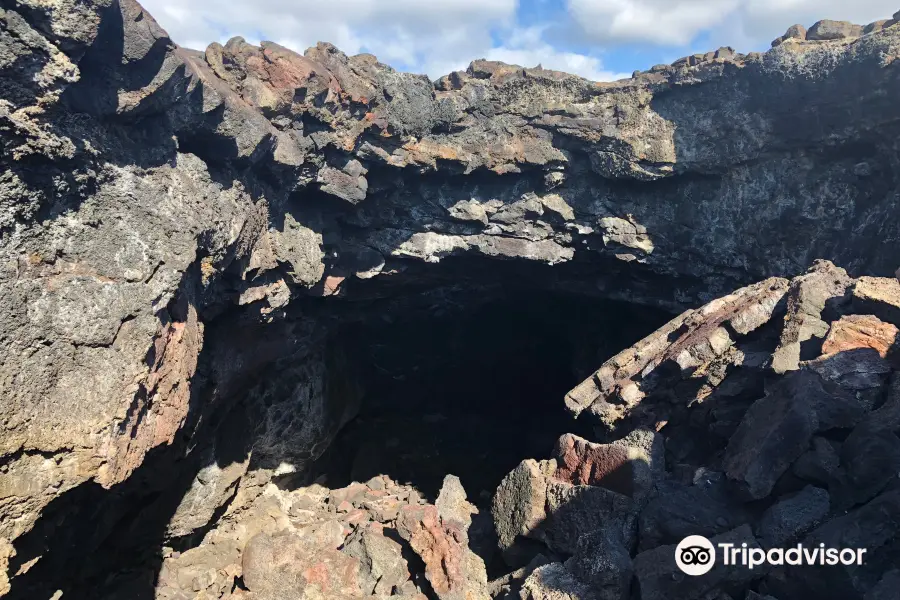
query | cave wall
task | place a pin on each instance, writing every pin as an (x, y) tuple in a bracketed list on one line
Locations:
[(151, 194)]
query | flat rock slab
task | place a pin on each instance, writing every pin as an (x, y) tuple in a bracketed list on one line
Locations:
[(879, 296)]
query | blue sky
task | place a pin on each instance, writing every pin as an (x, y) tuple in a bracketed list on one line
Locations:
[(598, 39)]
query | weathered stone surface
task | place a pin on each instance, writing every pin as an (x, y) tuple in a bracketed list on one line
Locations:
[(861, 331), (874, 527), (794, 32), (454, 571), (575, 510), (879, 296), (680, 510), (870, 456), (452, 504), (275, 566), (819, 463), (151, 194), (876, 26), (778, 429), (629, 466), (520, 504), (603, 561), (806, 299), (659, 578), (833, 30), (685, 348), (382, 567), (793, 516), (556, 582), (861, 371)]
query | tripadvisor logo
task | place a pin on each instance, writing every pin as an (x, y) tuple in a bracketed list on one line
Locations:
[(695, 555)]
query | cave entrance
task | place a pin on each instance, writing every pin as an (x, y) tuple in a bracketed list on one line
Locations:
[(473, 392)]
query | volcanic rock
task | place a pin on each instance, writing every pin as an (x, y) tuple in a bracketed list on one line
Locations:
[(878, 296), (778, 429), (274, 566), (188, 238), (819, 463), (807, 298), (520, 506), (603, 561), (382, 567), (454, 571), (659, 578), (792, 517), (870, 456), (556, 582), (833, 30), (874, 527), (576, 510), (680, 510), (629, 466)]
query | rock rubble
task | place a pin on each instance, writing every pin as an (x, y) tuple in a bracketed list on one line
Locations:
[(183, 232)]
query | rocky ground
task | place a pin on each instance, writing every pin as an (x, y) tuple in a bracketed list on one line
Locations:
[(188, 237), (769, 417)]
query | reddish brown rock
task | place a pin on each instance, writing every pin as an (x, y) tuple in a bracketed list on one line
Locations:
[(625, 466), (861, 331), (454, 571)]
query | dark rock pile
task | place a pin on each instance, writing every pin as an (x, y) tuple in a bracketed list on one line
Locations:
[(769, 417)]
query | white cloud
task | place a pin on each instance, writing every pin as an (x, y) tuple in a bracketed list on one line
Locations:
[(670, 22), (434, 35), (440, 36), (678, 22), (431, 36), (526, 47)]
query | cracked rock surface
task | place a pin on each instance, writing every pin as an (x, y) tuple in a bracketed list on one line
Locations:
[(178, 227)]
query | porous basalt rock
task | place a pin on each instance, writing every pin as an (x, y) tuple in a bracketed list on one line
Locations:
[(172, 222)]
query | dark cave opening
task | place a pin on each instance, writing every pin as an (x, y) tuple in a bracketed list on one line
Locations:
[(468, 381), (474, 392)]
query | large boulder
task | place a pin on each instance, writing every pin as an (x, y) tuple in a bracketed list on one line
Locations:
[(870, 456), (603, 561), (382, 567), (879, 296), (833, 30), (778, 429), (576, 510), (806, 300), (679, 510), (629, 466), (519, 507)]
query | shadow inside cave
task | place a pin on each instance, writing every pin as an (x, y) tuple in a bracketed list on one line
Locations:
[(469, 389), (475, 393)]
